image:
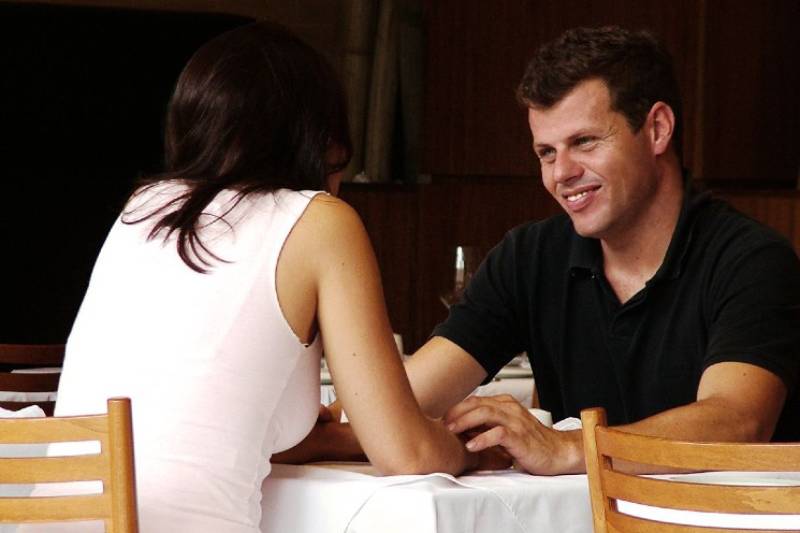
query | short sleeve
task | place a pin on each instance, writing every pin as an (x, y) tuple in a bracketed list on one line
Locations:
[(756, 312), (485, 323)]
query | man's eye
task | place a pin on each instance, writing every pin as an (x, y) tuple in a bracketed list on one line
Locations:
[(585, 141), (546, 155)]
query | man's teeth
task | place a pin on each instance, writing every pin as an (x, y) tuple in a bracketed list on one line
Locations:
[(575, 197)]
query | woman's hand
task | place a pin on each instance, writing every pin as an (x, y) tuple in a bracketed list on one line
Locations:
[(328, 440)]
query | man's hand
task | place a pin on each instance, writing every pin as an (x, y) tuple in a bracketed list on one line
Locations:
[(493, 458), (533, 447)]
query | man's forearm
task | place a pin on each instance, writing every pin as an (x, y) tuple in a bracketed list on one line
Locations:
[(707, 420)]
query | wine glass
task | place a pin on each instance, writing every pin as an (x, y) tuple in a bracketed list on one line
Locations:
[(467, 260)]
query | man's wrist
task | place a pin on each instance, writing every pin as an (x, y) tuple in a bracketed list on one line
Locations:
[(576, 460)]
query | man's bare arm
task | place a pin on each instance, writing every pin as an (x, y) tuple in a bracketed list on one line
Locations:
[(441, 375), (736, 402)]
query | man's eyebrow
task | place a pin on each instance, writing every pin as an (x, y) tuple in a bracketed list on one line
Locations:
[(539, 146), (584, 132)]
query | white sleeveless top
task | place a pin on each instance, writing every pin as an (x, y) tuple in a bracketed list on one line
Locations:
[(217, 378)]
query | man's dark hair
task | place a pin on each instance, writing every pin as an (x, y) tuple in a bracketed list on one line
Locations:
[(635, 66)]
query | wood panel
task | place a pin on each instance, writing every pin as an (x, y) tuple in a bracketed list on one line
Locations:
[(738, 67), (752, 113), (477, 55), (389, 213), (777, 209)]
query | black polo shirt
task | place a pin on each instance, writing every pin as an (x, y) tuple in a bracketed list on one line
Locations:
[(728, 290)]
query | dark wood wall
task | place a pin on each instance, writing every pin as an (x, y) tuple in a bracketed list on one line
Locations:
[(737, 61)]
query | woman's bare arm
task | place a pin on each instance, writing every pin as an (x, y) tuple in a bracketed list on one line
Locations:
[(329, 254)]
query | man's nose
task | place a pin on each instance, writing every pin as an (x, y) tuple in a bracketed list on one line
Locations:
[(566, 168)]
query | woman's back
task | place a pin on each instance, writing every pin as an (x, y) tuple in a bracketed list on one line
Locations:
[(218, 379)]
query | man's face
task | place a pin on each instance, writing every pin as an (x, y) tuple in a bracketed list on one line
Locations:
[(602, 174)]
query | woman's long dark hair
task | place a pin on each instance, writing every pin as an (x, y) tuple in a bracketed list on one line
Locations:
[(254, 110)]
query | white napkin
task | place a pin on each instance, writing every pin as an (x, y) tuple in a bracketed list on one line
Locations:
[(568, 424), (547, 420), (32, 411), (542, 416)]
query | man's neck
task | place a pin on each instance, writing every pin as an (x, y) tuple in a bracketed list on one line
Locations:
[(631, 258)]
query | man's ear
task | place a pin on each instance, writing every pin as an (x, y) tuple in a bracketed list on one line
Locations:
[(661, 125)]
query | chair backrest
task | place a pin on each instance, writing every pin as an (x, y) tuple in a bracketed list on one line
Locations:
[(603, 445), (114, 466), (20, 383)]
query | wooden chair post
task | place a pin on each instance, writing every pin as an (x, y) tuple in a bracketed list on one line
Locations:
[(123, 478), (590, 419)]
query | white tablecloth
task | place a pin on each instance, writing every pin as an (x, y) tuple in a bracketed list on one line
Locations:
[(350, 498)]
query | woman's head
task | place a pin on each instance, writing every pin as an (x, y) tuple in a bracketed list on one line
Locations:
[(257, 109), (254, 110)]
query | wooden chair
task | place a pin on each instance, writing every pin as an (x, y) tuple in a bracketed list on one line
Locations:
[(603, 445), (114, 466), (26, 356)]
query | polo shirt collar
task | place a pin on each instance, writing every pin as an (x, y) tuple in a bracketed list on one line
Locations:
[(681, 242), (586, 255)]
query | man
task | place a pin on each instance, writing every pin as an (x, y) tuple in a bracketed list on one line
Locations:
[(674, 312)]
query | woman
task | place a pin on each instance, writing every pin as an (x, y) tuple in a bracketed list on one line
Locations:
[(222, 282)]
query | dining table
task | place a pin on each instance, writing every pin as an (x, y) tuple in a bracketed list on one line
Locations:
[(354, 498)]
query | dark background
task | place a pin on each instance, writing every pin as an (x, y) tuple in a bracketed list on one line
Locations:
[(83, 94)]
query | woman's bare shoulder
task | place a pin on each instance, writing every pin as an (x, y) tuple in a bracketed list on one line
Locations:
[(331, 217)]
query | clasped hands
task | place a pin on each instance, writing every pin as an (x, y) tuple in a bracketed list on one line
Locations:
[(328, 440), (498, 429), (497, 425)]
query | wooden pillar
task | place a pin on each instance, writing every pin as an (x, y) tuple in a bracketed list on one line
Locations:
[(357, 45)]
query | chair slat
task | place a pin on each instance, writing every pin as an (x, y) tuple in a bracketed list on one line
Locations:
[(695, 496), (696, 455), (56, 508), (44, 430), (56, 469)]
